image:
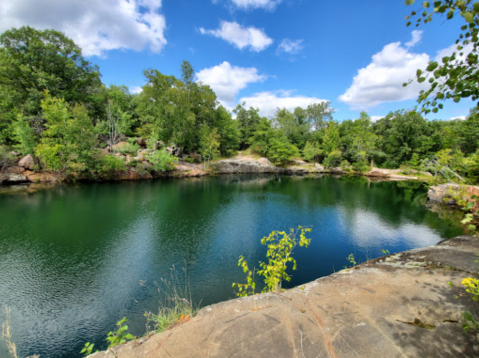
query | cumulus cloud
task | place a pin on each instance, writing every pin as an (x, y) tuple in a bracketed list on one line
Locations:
[(268, 102), (242, 37), (376, 118), (292, 47), (254, 4), (96, 26), (227, 80), (135, 89), (461, 118), (416, 37), (382, 80), (453, 48)]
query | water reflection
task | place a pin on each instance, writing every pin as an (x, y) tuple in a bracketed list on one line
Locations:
[(72, 257)]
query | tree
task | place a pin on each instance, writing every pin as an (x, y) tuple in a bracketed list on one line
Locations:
[(209, 143), (32, 62), (312, 151), (248, 121), (456, 77), (69, 139)]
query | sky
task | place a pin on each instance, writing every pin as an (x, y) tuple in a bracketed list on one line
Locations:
[(265, 53)]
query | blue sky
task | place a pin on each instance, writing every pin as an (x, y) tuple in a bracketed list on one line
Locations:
[(268, 53)]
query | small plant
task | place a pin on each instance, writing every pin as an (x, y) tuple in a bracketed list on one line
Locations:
[(7, 335), (280, 248), (120, 336), (162, 161), (248, 288), (469, 325), (88, 349), (472, 287), (385, 252), (176, 305), (351, 260)]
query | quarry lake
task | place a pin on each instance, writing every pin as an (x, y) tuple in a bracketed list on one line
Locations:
[(76, 259)]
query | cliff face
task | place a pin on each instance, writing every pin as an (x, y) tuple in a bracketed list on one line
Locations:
[(453, 194), (395, 306)]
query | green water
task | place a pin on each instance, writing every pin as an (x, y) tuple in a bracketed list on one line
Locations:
[(75, 259)]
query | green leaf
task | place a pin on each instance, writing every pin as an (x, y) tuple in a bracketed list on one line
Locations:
[(432, 66), (469, 17), (476, 6), (450, 14), (425, 4), (409, 2)]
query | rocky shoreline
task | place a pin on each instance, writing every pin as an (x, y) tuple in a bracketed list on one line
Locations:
[(23, 172), (407, 304)]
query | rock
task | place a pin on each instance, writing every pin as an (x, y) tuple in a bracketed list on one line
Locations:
[(234, 166), (15, 170), (105, 150), (141, 142), (449, 193), (319, 167), (43, 177), (27, 162), (120, 146), (16, 154), (170, 150), (264, 161), (298, 162), (381, 310), (132, 174), (9, 178), (196, 157), (337, 170)]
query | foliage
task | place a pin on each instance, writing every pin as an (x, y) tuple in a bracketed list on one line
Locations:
[(470, 325), (88, 349), (162, 161), (312, 151), (248, 288), (7, 334), (176, 305), (108, 165), (332, 159), (6, 159), (351, 260), (472, 287), (69, 138), (209, 143), (120, 336), (455, 76), (280, 248), (24, 135)]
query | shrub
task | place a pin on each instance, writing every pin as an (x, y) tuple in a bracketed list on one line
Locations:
[(162, 161), (6, 159), (108, 165)]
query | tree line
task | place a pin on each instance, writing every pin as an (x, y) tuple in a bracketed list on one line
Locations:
[(54, 107)]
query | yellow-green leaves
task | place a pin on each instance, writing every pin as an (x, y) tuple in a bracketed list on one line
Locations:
[(425, 4), (409, 2)]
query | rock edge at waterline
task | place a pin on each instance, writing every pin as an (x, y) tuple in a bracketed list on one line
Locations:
[(378, 309)]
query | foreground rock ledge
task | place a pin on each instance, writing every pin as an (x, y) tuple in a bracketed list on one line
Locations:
[(361, 312)]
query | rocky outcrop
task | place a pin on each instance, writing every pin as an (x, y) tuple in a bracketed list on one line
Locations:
[(27, 162), (237, 166), (396, 174), (395, 306), (453, 194), (11, 178)]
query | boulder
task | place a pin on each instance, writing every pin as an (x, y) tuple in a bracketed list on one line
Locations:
[(318, 167), (105, 150), (298, 162), (120, 146), (15, 170), (450, 193), (235, 165), (196, 157), (43, 177), (27, 162), (16, 154), (263, 161), (9, 178), (141, 142), (337, 170)]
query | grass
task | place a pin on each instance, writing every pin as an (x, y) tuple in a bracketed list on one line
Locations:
[(7, 335), (176, 304)]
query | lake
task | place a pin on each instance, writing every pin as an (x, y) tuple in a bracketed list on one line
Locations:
[(75, 259)]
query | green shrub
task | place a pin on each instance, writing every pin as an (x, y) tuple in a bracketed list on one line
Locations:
[(108, 165), (6, 159), (162, 161)]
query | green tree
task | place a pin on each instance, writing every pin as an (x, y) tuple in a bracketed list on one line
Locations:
[(312, 151), (32, 62), (69, 139), (209, 144), (455, 76)]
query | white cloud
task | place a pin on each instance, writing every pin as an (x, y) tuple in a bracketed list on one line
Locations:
[(135, 89), (268, 102), (241, 37), (382, 80), (292, 47), (461, 118), (376, 118), (453, 48), (416, 37), (227, 80), (96, 26), (254, 4)]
